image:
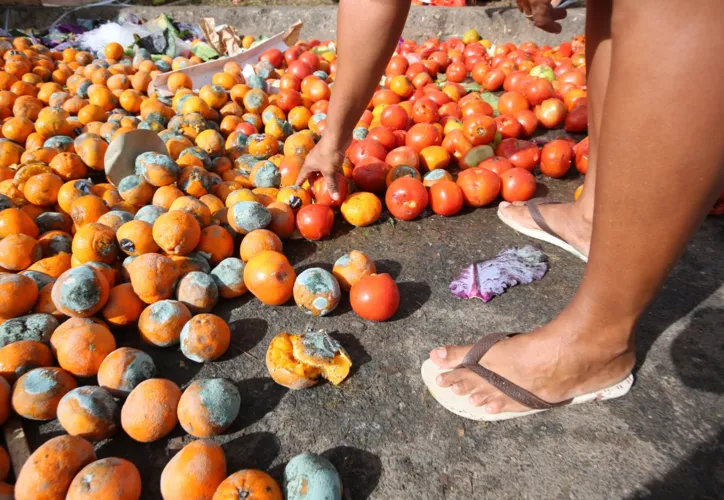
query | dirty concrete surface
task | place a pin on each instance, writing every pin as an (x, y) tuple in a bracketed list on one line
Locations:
[(391, 440)]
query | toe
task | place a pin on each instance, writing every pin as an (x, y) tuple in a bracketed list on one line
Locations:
[(449, 356), (482, 394), (463, 386), (449, 378), (501, 403), (479, 398), (494, 405), (512, 210)]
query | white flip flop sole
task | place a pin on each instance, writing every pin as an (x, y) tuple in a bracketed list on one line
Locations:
[(460, 405), (539, 234)]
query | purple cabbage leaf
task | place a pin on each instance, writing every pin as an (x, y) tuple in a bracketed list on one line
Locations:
[(486, 279)]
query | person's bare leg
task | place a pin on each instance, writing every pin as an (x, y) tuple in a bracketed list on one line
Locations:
[(573, 220), (660, 160)]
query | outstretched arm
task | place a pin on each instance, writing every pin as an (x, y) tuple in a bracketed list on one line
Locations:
[(367, 33)]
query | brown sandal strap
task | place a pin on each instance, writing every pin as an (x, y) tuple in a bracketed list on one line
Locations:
[(534, 212), (513, 391)]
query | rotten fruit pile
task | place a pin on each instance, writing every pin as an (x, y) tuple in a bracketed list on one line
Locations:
[(81, 257)]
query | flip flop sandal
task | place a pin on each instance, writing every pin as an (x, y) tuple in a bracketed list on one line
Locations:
[(460, 405), (545, 233)]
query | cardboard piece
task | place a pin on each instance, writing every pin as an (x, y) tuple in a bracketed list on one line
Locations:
[(201, 74), (224, 39), (120, 158)]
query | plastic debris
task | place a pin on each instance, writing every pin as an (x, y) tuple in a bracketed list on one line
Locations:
[(484, 280)]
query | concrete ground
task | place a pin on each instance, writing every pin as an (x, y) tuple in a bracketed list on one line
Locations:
[(391, 440)]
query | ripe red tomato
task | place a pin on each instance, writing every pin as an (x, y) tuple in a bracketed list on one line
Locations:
[(537, 90), (425, 111), (522, 154), (581, 150), (514, 81), (517, 185), (573, 76), (397, 66), (314, 222), (473, 107), (384, 136), (441, 58), (414, 69), (375, 297), (480, 129), (577, 118), (422, 135), (456, 72), (494, 79), (480, 71), (323, 196), (551, 113), (438, 97), (497, 164), (287, 99), (310, 58), (456, 144), (421, 80), (555, 159), (300, 69), (528, 121), (394, 117), (511, 102), (508, 126), (404, 155), (451, 109), (480, 186), (273, 57), (371, 175), (406, 198), (366, 148), (292, 54), (246, 128), (446, 198)]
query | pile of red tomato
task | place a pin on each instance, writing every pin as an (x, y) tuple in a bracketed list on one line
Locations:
[(452, 123)]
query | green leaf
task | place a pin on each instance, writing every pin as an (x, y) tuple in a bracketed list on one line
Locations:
[(170, 43), (491, 99), (204, 51)]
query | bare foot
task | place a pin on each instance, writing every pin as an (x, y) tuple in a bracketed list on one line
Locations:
[(552, 362), (566, 219)]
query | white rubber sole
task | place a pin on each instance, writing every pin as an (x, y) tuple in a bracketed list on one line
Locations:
[(460, 405), (539, 234)]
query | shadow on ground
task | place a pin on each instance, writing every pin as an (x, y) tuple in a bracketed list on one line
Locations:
[(360, 470), (700, 476), (695, 350), (251, 451), (694, 279)]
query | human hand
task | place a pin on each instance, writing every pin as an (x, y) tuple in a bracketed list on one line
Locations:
[(543, 13), (326, 158)]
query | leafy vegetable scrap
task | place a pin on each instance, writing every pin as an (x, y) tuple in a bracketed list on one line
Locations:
[(486, 279)]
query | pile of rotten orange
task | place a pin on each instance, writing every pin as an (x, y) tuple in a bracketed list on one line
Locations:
[(81, 256)]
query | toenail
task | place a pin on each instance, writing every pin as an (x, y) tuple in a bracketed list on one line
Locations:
[(441, 352), (439, 380), (489, 409)]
